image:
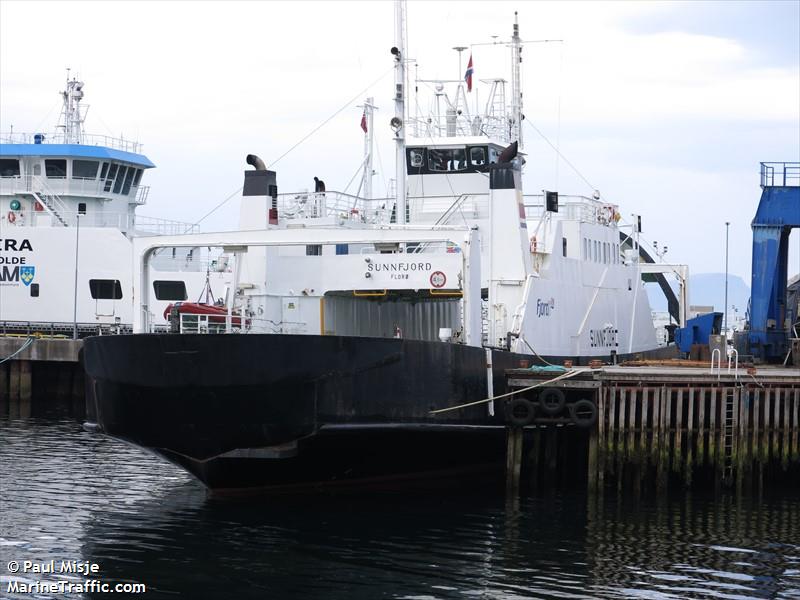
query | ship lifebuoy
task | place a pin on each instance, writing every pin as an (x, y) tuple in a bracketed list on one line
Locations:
[(12, 216)]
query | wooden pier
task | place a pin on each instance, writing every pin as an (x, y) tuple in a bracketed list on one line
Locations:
[(657, 427)]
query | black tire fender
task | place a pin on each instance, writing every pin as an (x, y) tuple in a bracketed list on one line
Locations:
[(520, 412), (583, 413), (552, 401)]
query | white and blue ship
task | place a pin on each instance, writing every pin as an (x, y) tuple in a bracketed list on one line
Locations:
[(68, 213)]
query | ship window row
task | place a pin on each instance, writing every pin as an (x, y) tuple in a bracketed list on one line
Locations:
[(466, 159), (600, 252), (116, 178), (111, 289)]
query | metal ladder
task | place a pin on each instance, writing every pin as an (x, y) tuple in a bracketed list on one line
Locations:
[(49, 200), (728, 426)]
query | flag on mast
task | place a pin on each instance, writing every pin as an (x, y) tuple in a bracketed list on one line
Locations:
[(468, 74), (364, 122)]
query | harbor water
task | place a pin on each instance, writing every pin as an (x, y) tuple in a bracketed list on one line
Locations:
[(69, 495)]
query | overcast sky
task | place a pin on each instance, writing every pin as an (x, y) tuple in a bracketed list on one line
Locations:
[(666, 108)]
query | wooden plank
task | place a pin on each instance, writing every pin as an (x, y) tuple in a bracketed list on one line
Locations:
[(513, 458), (690, 414), (701, 419), (679, 409), (601, 412), (623, 406), (767, 412), (712, 422), (612, 420), (756, 411), (776, 409)]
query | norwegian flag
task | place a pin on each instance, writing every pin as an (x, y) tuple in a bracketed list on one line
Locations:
[(364, 122), (468, 74)]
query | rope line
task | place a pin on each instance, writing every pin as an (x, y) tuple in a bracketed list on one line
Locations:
[(557, 151), (566, 375), (27, 343)]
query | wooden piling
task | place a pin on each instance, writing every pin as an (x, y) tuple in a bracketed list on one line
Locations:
[(513, 458)]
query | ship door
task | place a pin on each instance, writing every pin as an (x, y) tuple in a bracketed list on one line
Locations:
[(105, 293), (32, 169)]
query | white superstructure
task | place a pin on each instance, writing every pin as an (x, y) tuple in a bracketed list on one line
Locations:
[(68, 212), (450, 256)]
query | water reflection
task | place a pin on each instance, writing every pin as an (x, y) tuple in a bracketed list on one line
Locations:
[(67, 494)]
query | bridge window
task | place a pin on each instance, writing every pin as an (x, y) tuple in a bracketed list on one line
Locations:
[(105, 289), (447, 160), (170, 290), (104, 170), (55, 168), (84, 169), (120, 178), (138, 178), (477, 156), (494, 154), (112, 173), (416, 159), (126, 188), (9, 167)]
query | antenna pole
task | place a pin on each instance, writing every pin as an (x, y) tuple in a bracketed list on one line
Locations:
[(516, 84), (399, 109), (369, 107)]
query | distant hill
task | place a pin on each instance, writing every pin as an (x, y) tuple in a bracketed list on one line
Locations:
[(707, 289)]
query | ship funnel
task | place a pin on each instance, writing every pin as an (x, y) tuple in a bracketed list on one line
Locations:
[(256, 162)]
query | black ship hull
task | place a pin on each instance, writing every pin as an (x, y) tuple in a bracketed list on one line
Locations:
[(259, 411)]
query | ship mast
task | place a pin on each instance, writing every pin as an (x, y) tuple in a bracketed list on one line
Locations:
[(71, 112), (366, 177), (516, 85), (398, 121)]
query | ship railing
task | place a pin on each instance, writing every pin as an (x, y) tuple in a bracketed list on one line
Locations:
[(433, 126), (199, 323), (574, 208), (61, 329), (436, 210), (784, 174), (63, 186), (141, 225), (87, 139), (339, 205)]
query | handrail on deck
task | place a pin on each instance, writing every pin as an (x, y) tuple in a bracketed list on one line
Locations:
[(783, 174)]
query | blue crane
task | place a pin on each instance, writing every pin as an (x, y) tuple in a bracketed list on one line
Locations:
[(778, 213)]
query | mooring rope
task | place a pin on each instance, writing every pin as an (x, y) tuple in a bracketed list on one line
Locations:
[(566, 375), (27, 343)]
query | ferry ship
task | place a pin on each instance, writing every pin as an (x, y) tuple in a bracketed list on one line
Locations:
[(68, 212), (378, 330)]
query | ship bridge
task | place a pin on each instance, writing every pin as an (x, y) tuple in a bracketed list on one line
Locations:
[(50, 179), (53, 181)]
